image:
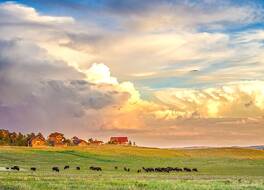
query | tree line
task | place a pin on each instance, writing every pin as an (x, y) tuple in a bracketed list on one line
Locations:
[(15, 139), (18, 139)]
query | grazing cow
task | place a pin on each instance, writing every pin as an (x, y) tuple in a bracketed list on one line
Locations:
[(126, 169), (95, 168), (194, 170), (7, 168), (33, 169), (116, 167), (66, 167), (78, 168), (187, 169), (178, 169), (55, 169), (15, 168), (148, 169)]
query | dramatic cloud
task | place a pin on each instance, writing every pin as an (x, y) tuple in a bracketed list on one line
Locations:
[(190, 45), (34, 87), (233, 100)]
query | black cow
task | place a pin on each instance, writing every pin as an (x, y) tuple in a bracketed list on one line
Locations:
[(7, 168), (187, 169), (55, 169), (178, 169), (66, 167), (15, 168), (78, 168), (33, 169), (138, 171), (194, 170), (95, 168), (116, 167), (145, 169), (148, 169)]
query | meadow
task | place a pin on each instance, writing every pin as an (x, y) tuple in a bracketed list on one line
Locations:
[(219, 168)]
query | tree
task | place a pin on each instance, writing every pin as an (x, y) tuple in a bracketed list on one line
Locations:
[(68, 142), (13, 138), (40, 135), (4, 137), (21, 140), (28, 137), (90, 140)]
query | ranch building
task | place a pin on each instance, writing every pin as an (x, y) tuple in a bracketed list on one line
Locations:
[(37, 141), (118, 140)]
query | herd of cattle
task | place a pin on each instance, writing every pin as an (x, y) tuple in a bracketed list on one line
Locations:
[(169, 169), (158, 169)]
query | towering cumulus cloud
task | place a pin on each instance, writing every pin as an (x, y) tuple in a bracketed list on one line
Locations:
[(39, 92), (164, 79), (236, 99)]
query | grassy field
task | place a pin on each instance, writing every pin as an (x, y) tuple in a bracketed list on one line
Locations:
[(219, 168)]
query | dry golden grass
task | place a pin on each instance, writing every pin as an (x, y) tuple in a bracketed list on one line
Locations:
[(236, 153)]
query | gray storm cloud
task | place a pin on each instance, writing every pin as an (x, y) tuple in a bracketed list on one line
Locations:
[(39, 92)]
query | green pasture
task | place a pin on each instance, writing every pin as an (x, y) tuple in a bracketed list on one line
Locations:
[(219, 168)]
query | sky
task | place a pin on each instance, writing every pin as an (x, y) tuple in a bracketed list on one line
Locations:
[(165, 73)]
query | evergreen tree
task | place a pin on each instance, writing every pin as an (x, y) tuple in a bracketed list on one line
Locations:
[(21, 140)]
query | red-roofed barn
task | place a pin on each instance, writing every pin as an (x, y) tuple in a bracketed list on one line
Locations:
[(119, 140)]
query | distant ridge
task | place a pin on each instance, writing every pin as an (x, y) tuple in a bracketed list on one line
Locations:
[(198, 147), (257, 147)]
